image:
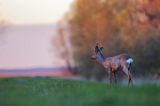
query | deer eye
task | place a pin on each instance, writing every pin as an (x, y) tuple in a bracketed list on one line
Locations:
[(101, 48)]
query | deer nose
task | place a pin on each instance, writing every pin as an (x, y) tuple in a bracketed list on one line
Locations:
[(93, 57)]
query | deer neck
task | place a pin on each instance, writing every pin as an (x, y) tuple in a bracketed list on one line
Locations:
[(100, 57)]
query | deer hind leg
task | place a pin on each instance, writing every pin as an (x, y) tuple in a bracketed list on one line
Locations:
[(129, 73), (130, 79), (126, 71)]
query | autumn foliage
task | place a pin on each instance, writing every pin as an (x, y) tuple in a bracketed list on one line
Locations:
[(130, 26)]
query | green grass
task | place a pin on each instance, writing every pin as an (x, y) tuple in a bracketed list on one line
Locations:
[(62, 92)]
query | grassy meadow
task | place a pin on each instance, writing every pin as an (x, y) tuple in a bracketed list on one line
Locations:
[(66, 92)]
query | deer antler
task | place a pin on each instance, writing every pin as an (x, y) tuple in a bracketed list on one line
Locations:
[(99, 44)]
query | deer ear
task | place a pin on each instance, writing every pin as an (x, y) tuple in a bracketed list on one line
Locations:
[(101, 48)]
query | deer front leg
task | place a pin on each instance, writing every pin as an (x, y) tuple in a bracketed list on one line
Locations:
[(110, 75), (114, 74), (115, 78)]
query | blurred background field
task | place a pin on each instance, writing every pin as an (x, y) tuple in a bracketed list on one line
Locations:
[(67, 40), (46, 46)]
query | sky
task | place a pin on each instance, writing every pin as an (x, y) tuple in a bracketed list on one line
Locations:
[(21, 12), (28, 47), (27, 42)]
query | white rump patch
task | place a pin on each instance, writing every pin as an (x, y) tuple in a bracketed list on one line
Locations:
[(130, 60)]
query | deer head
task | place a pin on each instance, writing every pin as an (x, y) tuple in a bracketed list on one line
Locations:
[(97, 52)]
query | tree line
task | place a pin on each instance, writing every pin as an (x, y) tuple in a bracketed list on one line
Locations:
[(122, 26)]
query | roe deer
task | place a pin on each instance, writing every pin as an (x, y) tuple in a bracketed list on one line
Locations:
[(113, 64)]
